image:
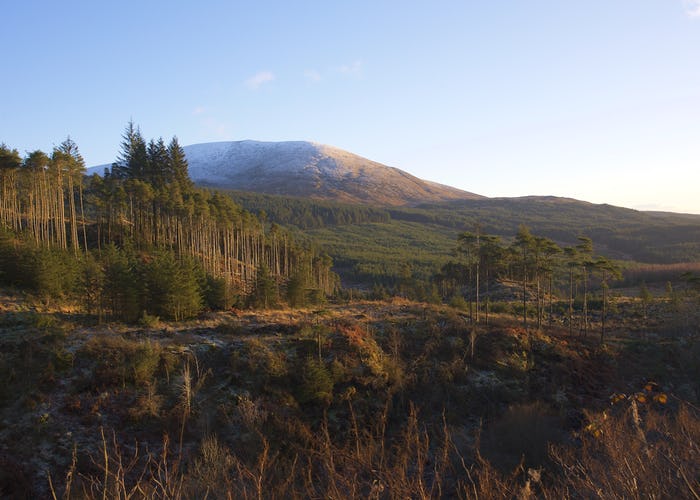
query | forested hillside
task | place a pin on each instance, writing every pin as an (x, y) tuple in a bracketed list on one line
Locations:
[(141, 239), (381, 245), (306, 213)]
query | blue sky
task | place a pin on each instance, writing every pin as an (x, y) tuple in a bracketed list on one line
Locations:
[(596, 100)]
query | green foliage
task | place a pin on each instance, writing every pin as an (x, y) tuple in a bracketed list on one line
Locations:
[(148, 320), (147, 201), (373, 251), (9, 160), (305, 213), (8, 257), (379, 292), (316, 297), (646, 297), (692, 279), (50, 273), (91, 282), (218, 293), (266, 292), (260, 360), (122, 290), (33, 355), (296, 291), (159, 245), (118, 361), (316, 383), (172, 289), (458, 302), (379, 252), (144, 362)]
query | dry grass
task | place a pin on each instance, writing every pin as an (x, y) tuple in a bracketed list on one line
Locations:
[(398, 394), (635, 453)]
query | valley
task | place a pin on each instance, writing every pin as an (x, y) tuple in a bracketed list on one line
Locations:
[(371, 244)]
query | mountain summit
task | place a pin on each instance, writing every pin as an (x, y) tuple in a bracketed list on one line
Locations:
[(307, 169)]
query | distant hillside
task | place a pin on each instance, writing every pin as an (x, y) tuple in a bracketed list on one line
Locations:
[(621, 233), (368, 242)]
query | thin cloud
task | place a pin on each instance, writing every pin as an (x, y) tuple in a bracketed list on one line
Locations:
[(692, 8), (352, 69), (215, 129), (210, 126), (312, 75), (259, 79)]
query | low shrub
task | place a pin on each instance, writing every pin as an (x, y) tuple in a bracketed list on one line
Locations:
[(118, 361)]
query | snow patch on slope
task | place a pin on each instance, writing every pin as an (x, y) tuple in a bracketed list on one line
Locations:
[(213, 163), (301, 168)]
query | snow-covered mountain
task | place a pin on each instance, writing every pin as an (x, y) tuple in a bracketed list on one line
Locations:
[(299, 168)]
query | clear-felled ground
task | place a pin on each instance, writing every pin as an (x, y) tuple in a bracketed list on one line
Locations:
[(374, 399)]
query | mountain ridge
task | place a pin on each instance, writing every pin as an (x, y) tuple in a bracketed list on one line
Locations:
[(308, 169)]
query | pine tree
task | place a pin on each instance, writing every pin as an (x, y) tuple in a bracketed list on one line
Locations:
[(72, 167), (265, 292), (35, 167), (573, 263), (296, 290), (585, 252), (10, 163), (178, 167), (523, 245), (133, 158), (608, 270), (470, 248), (545, 252), (218, 293), (172, 290), (157, 172), (491, 257), (91, 283), (122, 288), (51, 272)]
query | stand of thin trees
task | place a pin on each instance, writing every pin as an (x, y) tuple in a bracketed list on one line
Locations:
[(542, 271), (147, 201)]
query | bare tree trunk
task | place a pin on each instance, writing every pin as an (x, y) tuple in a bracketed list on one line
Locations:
[(571, 301)]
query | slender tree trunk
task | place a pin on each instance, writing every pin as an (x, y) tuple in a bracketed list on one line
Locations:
[(539, 304), (73, 216), (469, 293), (605, 307), (488, 297), (525, 300), (478, 263), (585, 302), (551, 309), (571, 301)]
